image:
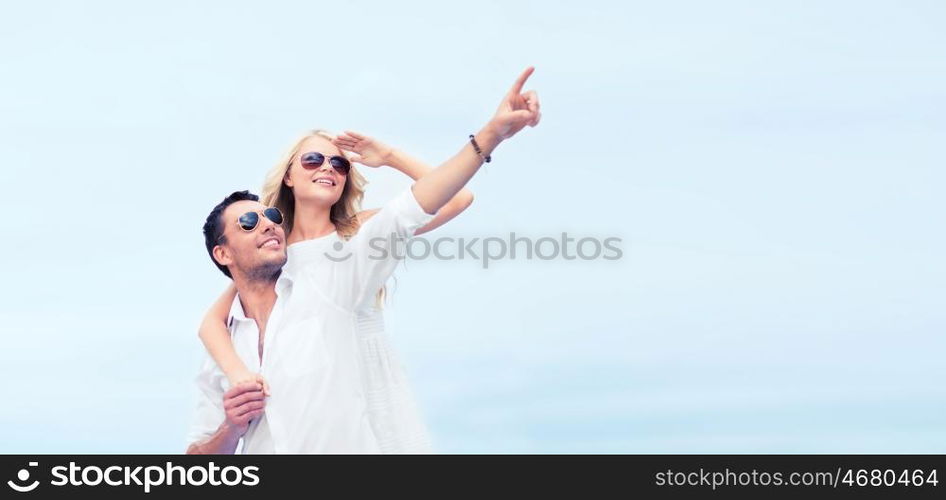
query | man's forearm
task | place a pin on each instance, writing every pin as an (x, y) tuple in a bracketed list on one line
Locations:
[(222, 442)]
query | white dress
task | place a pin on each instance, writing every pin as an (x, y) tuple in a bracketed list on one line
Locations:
[(350, 273)]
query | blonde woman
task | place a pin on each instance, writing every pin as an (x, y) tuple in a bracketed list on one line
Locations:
[(345, 254)]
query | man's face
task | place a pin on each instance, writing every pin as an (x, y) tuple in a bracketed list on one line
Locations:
[(256, 254)]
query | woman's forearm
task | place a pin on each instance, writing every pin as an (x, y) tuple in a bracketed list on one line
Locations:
[(415, 169), (438, 186), (216, 337), (407, 164)]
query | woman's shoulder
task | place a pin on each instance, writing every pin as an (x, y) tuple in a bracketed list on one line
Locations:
[(364, 215), (352, 227)]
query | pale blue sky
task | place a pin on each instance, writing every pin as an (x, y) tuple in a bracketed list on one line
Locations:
[(775, 170)]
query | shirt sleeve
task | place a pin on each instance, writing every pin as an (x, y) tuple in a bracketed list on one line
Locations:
[(379, 245), (209, 413)]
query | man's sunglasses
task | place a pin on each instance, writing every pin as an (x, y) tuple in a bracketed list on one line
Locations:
[(250, 220), (314, 159)]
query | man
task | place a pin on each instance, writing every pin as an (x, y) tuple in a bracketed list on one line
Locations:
[(254, 261)]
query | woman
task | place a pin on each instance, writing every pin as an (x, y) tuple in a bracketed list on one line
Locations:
[(348, 253)]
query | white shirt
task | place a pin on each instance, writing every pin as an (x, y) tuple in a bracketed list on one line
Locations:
[(337, 385)]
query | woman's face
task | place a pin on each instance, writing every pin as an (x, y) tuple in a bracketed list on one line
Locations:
[(321, 184)]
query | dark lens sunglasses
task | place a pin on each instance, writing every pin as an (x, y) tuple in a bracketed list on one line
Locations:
[(250, 220), (314, 159)]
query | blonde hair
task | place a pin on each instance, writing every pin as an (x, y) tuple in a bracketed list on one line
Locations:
[(275, 193)]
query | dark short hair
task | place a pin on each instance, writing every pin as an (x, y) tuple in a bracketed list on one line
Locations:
[(213, 226)]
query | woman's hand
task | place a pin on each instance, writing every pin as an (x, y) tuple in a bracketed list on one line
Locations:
[(248, 377), (368, 151), (516, 109)]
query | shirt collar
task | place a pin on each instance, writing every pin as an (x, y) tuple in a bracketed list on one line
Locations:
[(236, 311), (283, 284)]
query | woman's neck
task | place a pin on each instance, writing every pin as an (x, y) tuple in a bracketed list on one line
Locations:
[(310, 221)]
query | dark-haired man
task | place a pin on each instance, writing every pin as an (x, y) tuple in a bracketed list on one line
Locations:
[(247, 243)]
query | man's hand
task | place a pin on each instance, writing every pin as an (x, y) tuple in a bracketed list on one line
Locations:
[(243, 402), (516, 109), (369, 151)]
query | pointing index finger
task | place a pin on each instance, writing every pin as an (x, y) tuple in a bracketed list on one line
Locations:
[(517, 87)]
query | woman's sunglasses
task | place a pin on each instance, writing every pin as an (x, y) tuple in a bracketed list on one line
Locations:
[(250, 220), (315, 160)]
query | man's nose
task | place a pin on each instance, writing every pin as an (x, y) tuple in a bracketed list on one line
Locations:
[(267, 225)]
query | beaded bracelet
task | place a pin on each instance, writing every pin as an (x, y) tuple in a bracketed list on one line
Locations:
[(476, 147)]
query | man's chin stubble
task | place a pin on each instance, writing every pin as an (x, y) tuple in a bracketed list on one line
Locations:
[(266, 273)]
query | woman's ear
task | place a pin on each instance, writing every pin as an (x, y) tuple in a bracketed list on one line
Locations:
[(287, 180)]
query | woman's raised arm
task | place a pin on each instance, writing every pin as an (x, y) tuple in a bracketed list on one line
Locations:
[(373, 153), (516, 110)]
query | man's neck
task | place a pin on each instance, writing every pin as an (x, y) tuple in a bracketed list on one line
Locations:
[(257, 298), (310, 221)]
